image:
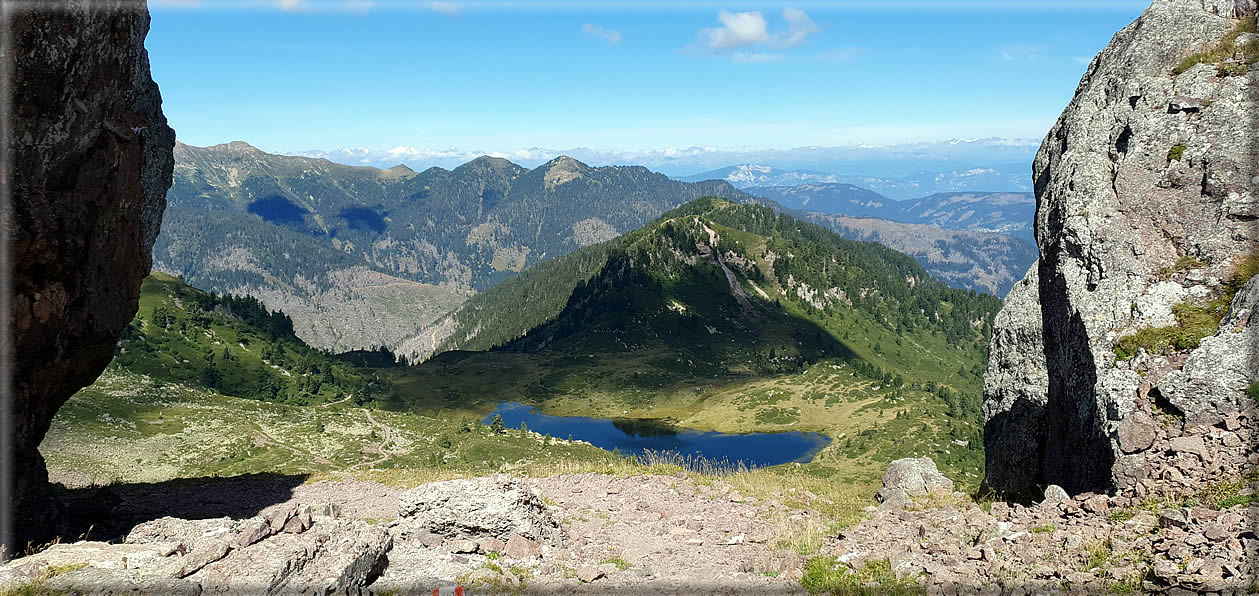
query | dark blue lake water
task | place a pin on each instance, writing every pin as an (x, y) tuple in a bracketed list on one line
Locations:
[(633, 436)]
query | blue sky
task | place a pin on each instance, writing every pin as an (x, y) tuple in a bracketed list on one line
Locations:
[(493, 76)]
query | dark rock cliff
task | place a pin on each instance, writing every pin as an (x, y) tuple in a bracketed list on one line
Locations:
[(1146, 214), (91, 163)]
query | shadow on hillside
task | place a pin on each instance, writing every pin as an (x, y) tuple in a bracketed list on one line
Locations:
[(109, 513)]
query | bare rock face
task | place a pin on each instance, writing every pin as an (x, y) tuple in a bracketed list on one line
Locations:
[(1014, 390), (1146, 202), (91, 166)]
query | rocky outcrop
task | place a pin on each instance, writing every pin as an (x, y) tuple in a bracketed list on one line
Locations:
[(497, 508), (91, 166), (911, 477), (289, 549), (1156, 541), (1146, 205)]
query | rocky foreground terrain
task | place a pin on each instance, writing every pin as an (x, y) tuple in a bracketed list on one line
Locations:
[(565, 534), (1189, 526)]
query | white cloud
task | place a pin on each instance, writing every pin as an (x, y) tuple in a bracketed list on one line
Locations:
[(799, 26), (611, 36), (289, 5), (738, 30), (745, 30), (447, 8)]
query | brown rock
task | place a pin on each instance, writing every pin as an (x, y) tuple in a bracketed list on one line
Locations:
[(519, 547), (1190, 444), (91, 164), (1137, 433), (297, 524), (589, 573), (1232, 421), (1174, 518), (1165, 570), (279, 516), (487, 545), (251, 531), (1098, 504), (203, 554)]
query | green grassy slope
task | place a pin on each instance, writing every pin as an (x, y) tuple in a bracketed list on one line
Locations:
[(231, 345)]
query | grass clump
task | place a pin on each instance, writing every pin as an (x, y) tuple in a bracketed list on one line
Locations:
[(1045, 529), (1099, 555), (1176, 152), (1253, 391), (1228, 493), (620, 563), (825, 575), (1122, 515), (1229, 59), (37, 586), (1194, 319), (1154, 340), (521, 573), (1184, 263)]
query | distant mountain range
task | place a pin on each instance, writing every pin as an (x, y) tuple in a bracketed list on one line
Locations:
[(988, 179), (1004, 212), (885, 161), (360, 256)]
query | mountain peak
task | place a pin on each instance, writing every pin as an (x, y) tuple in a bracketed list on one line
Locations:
[(565, 161), (561, 170), (398, 171), (237, 146)]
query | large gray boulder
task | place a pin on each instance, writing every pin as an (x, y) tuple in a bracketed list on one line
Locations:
[(333, 556), (495, 507), (1144, 170), (911, 477)]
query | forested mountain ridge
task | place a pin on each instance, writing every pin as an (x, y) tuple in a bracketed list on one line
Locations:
[(967, 259), (802, 263), (361, 256)]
